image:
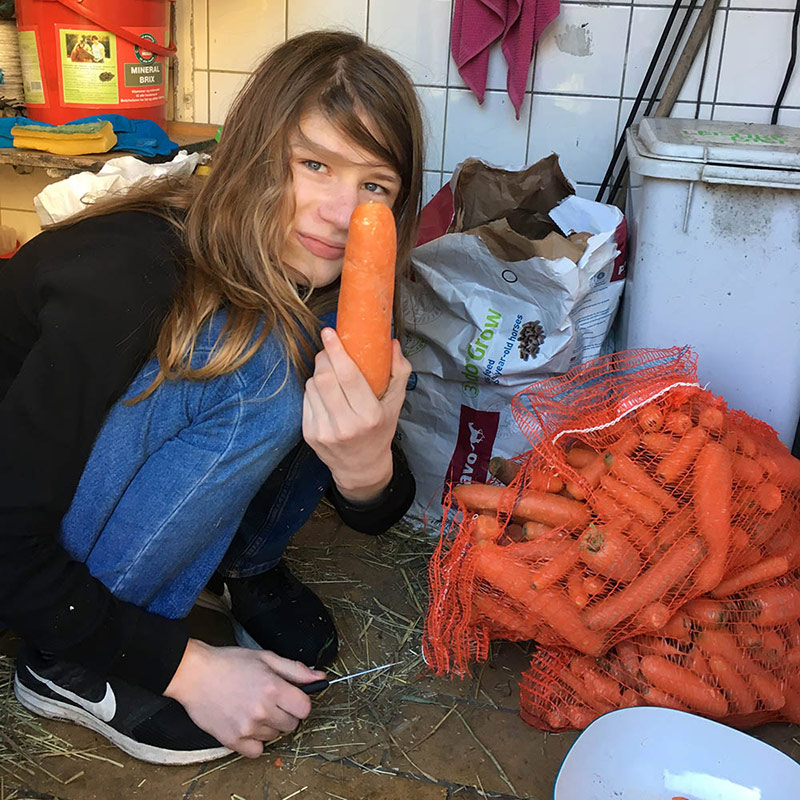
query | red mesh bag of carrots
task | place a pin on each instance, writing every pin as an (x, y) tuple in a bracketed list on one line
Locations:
[(641, 493), (711, 659)]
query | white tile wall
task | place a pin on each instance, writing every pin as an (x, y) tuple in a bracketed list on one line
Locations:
[(588, 67)]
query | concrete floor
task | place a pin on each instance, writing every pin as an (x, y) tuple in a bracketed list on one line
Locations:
[(407, 735)]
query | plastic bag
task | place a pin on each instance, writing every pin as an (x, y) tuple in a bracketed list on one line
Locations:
[(514, 277)]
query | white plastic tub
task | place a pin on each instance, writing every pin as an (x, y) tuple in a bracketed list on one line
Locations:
[(660, 754), (714, 214)]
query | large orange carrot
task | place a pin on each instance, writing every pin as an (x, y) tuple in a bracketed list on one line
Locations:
[(669, 573), (589, 476), (774, 605), (485, 528), (364, 316), (504, 616), (733, 684), (713, 477), (709, 614), (712, 418), (537, 530), (605, 550), (650, 418), (684, 685), (747, 470), (633, 500), (481, 496), (552, 509), (769, 497), (677, 422), (637, 478), (579, 456), (658, 444), (764, 570), (677, 461)]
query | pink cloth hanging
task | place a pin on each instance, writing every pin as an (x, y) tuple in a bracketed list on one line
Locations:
[(477, 24)]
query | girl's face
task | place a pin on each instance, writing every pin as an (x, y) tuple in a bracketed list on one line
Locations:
[(331, 176)]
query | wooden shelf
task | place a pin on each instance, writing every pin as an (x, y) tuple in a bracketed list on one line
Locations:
[(25, 161)]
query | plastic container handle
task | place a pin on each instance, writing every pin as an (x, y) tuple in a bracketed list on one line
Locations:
[(140, 41)]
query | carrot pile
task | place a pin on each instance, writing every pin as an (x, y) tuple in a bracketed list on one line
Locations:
[(655, 560)]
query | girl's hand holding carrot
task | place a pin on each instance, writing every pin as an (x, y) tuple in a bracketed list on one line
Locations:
[(346, 425)]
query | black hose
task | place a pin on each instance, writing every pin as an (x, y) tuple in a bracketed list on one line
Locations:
[(642, 91), (790, 69), (654, 97)]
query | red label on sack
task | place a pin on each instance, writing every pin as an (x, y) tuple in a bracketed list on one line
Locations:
[(476, 434), (435, 218), (621, 238)]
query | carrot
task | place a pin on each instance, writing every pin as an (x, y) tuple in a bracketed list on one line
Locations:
[(677, 461), (556, 568), (643, 507), (548, 547), (579, 456), (580, 717), (747, 470), (667, 574), (653, 617), (562, 616), (536, 530), (482, 496), (722, 644), (606, 551), (697, 663), (605, 506), (637, 478), (733, 684), (589, 476), (739, 538), (658, 697), (600, 687), (658, 646), (711, 418), (677, 422), (709, 614), (626, 443), (504, 469), (765, 570), (658, 443), (712, 503), (791, 708), (747, 445), (576, 591), (767, 688), (774, 605), (679, 627), (674, 528), (787, 468), (773, 649), (485, 529), (504, 573), (502, 615), (769, 497), (593, 585), (650, 418), (684, 685), (513, 533), (642, 536), (629, 656), (552, 509), (366, 293), (750, 638)]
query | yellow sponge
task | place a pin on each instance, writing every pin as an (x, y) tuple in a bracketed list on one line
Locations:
[(66, 140)]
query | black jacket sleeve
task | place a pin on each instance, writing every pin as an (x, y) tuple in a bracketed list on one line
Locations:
[(385, 510), (80, 308)]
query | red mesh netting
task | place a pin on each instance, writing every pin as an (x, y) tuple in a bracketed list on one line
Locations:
[(646, 509)]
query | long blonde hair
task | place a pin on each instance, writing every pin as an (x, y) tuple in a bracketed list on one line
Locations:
[(234, 224)]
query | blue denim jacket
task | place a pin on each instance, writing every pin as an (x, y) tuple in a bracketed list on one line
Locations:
[(170, 479)]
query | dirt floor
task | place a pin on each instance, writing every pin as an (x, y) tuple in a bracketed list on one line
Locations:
[(398, 734)]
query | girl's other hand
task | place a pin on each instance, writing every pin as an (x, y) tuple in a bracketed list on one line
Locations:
[(349, 428)]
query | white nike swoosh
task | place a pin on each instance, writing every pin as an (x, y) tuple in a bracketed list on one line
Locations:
[(103, 710)]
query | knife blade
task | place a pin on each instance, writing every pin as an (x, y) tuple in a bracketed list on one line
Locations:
[(318, 686)]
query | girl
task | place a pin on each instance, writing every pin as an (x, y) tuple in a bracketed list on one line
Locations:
[(125, 483)]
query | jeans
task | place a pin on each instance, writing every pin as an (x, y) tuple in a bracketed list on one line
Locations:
[(200, 475)]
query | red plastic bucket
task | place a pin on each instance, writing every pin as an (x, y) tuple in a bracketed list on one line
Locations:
[(83, 57)]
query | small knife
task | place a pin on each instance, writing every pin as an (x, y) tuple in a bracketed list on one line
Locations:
[(318, 686)]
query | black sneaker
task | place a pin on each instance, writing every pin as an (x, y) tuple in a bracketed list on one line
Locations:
[(275, 611), (140, 723)]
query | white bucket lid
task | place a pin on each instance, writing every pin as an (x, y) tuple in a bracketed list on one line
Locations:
[(717, 142)]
